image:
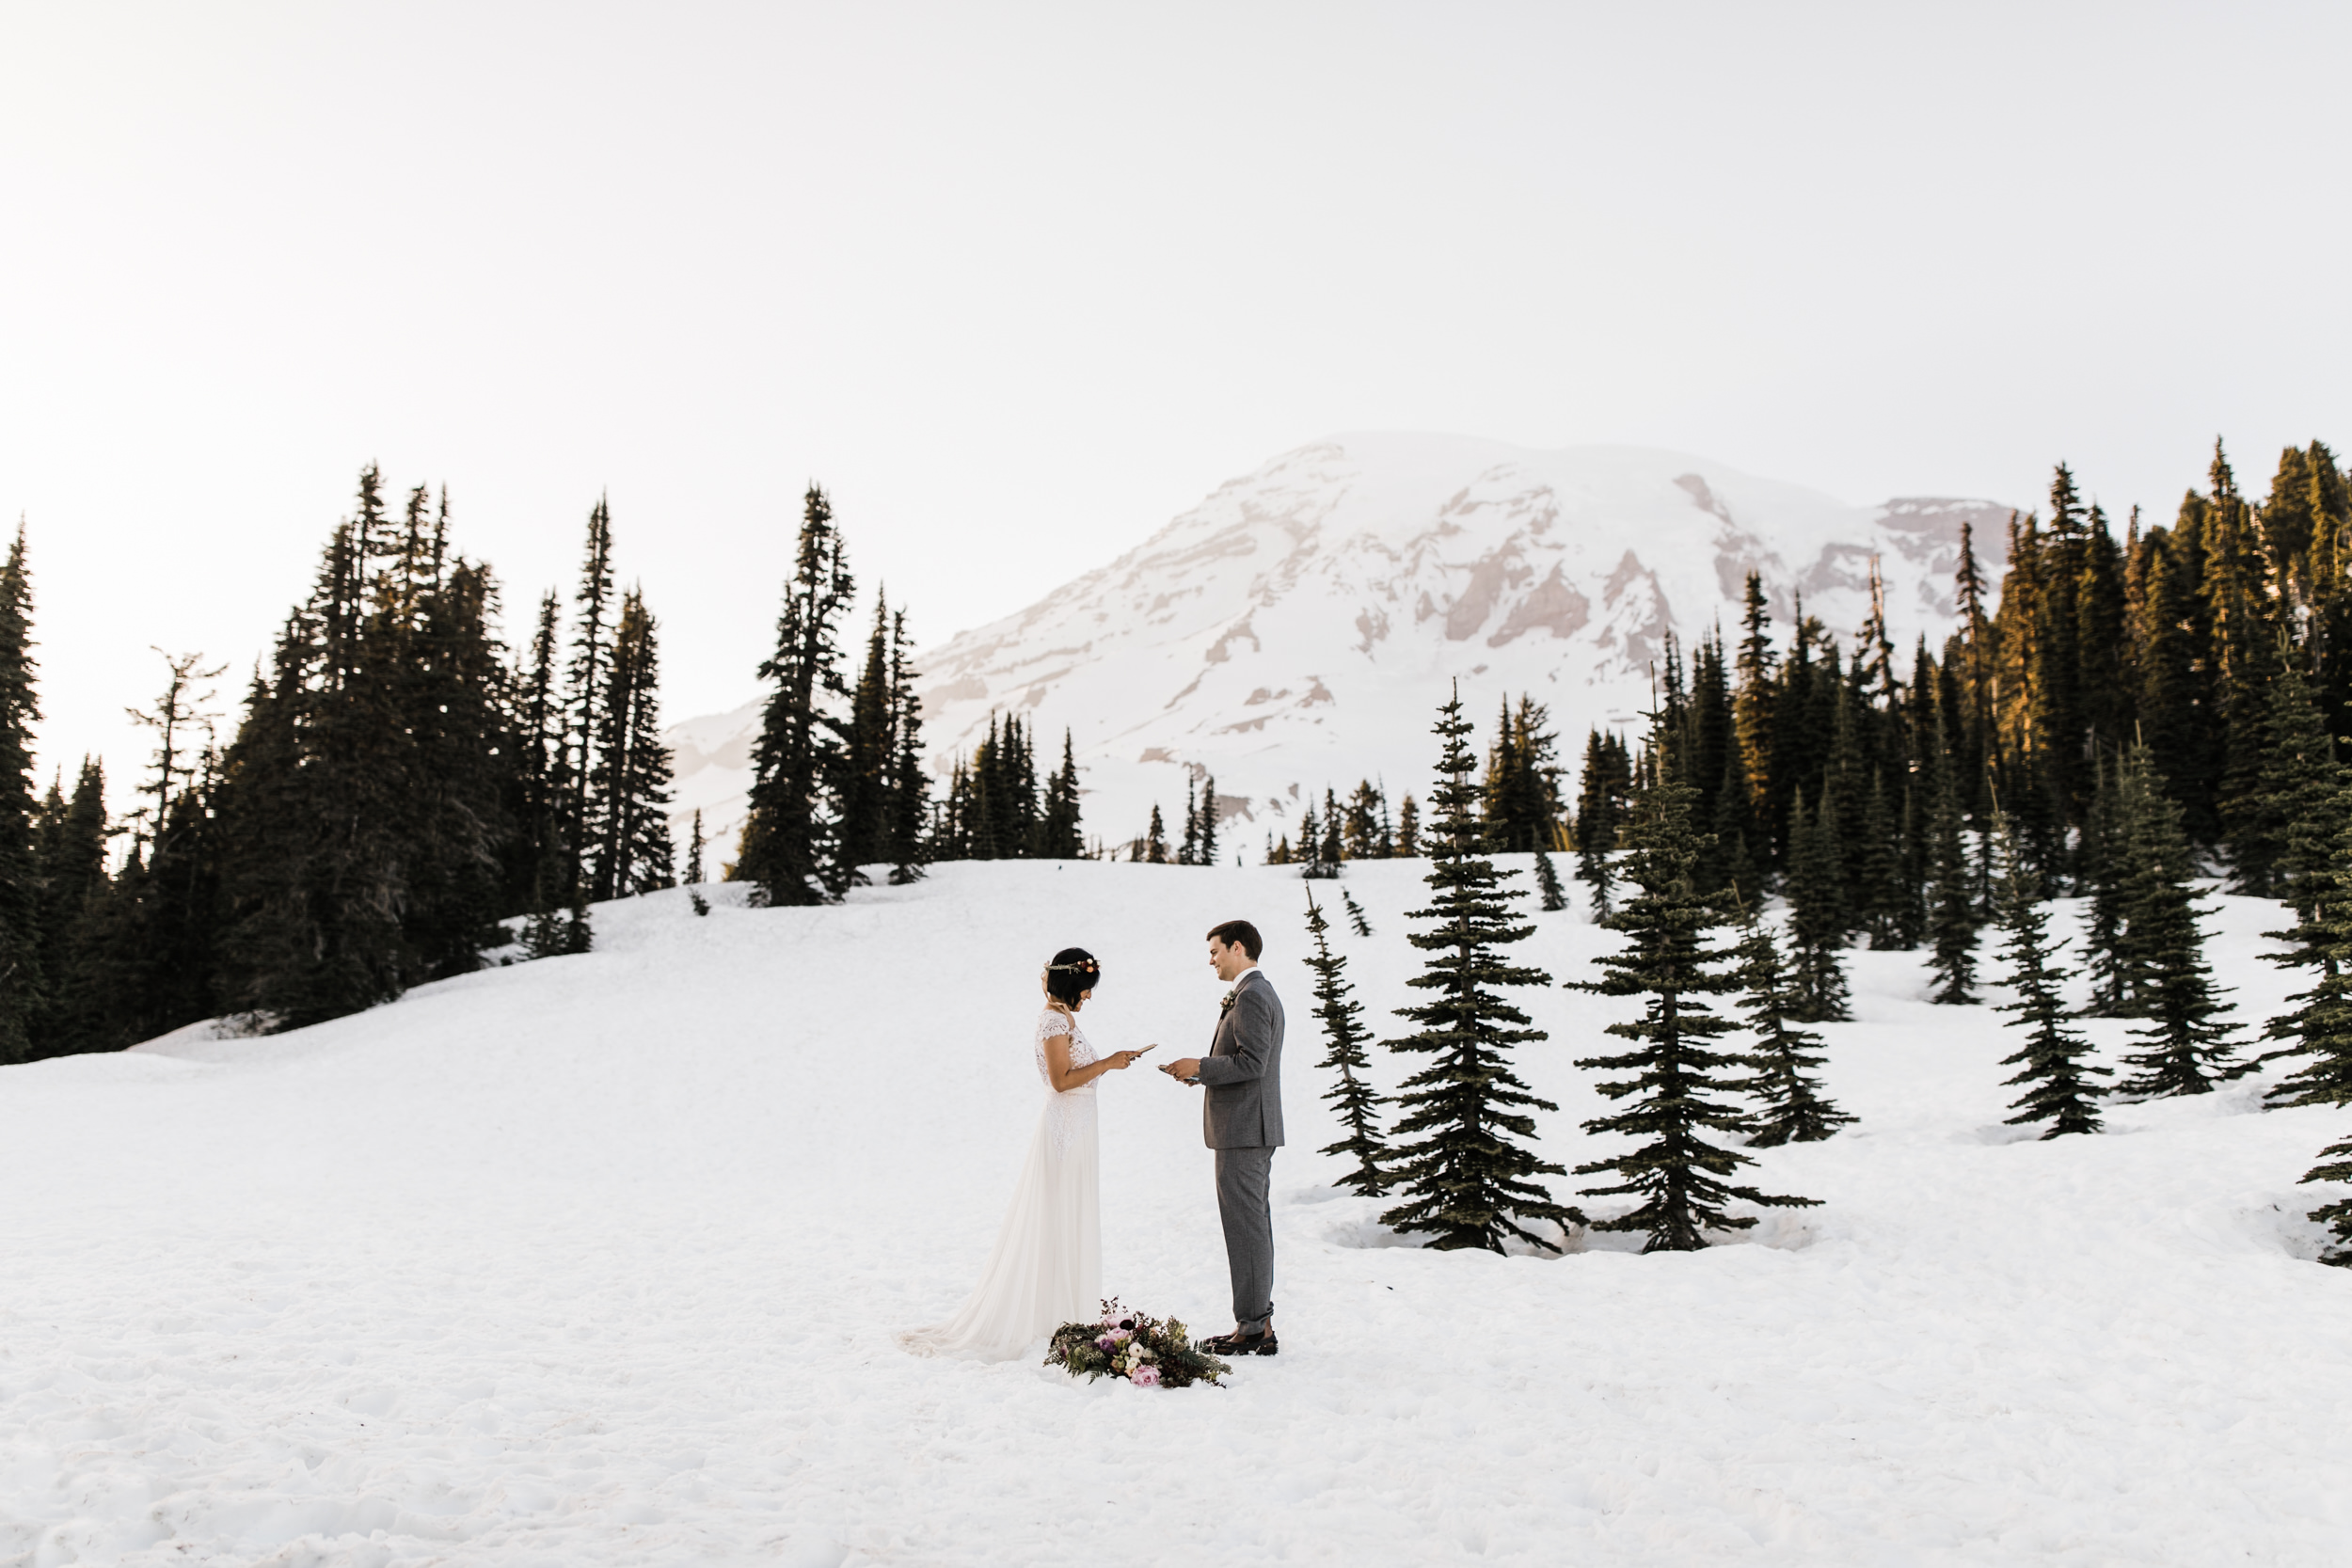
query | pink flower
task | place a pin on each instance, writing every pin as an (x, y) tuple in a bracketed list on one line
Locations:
[(1145, 1376)]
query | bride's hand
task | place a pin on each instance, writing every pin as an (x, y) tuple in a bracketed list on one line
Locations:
[(1121, 1060)]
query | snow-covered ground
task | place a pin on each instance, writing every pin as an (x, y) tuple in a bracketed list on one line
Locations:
[(597, 1259)]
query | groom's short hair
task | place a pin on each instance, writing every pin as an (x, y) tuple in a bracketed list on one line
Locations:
[(1239, 932)]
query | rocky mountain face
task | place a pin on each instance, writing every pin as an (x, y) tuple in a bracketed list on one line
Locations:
[(1299, 628)]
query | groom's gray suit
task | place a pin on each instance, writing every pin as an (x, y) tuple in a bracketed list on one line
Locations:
[(1241, 1118)]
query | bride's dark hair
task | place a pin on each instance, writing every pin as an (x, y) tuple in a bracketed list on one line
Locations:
[(1072, 971)]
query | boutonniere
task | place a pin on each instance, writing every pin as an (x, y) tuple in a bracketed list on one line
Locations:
[(1227, 1006)]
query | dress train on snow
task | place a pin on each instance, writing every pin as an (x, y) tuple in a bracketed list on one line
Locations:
[(1046, 1268)]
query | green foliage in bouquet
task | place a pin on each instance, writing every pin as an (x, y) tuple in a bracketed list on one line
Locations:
[(1149, 1352)]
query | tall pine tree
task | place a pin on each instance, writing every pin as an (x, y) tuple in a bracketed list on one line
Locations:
[(1463, 1166), (1676, 1085), (789, 850), (24, 990)]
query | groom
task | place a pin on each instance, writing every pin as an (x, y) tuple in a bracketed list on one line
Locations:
[(1243, 1121)]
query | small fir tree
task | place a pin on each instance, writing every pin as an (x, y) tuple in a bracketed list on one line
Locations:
[(1059, 835), (1208, 820), (1601, 810), (1351, 1098), (2319, 1029), (1552, 896), (1817, 914), (1365, 834), (2104, 861), (2186, 1050), (1467, 1176), (1407, 830), (1879, 872), (1155, 839), (694, 868), (910, 807), (1356, 920), (1786, 1058), (2051, 1066), (1952, 918), (1675, 1081)]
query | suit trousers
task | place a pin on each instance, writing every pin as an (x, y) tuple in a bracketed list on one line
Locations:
[(1243, 1178)]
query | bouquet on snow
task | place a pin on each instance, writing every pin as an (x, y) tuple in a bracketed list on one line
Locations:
[(1146, 1352)]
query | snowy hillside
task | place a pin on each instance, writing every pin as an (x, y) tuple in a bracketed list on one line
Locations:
[(1299, 628), (597, 1259)]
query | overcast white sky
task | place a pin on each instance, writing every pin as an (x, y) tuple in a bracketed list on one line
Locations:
[(1018, 283)]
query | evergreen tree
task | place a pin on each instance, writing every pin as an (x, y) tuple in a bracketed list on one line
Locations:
[(629, 803), (789, 851), (1553, 896), (1059, 837), (694, 868), (357, 836), (1408, 830), (586, 681), (1188, 853), (23, 988), (1879, 874), (1672, 1069), (1817, 923), (1155, 839), (1366, 835), (2186, 1050), (312, 805), (1952, 927), (1313, 838), (2292, 790), (451, 681), (1351, 1098), (2104, 862), (1786, 1058), (2318, 1031), (70, 864), (1521, 787), (909, 784), (2175, 701), (869, 754), (1467, 1179), (541, 784), (1208, 820), (2051, 1066), (1356, 920), (2335, 1165), (1603, 792)]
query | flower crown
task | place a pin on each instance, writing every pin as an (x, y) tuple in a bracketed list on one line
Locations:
[(1090, 967)]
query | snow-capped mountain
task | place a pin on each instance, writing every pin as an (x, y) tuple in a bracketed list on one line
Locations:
[(1299, 628)]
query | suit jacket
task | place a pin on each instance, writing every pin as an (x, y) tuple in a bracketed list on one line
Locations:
[(1242, 1074)]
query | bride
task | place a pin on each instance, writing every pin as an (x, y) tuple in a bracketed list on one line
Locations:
[(1047, 1267)]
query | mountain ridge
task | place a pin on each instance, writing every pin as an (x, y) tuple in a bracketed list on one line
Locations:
[(1298, 626)]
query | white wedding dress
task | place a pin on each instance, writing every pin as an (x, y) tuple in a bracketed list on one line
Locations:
[(1047, 1266)]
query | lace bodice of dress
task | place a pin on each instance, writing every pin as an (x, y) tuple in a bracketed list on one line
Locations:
[(1053, 1023)]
